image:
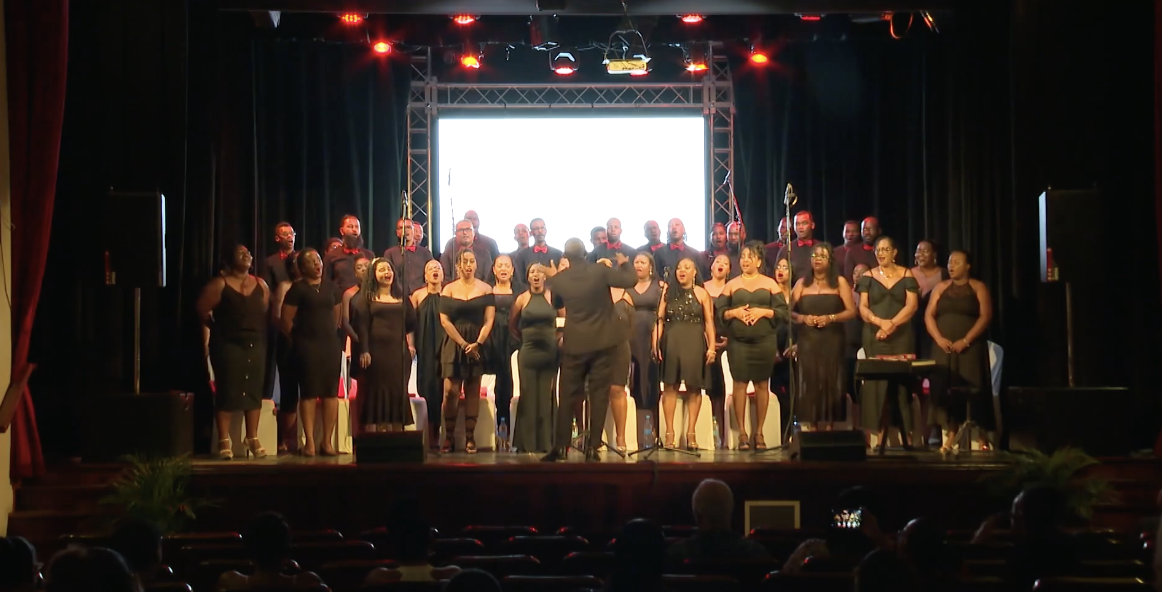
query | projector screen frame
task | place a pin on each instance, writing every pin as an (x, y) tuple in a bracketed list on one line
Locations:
[(429, 99)]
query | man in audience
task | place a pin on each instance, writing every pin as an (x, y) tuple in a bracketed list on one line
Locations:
[(713, 504), (472, 580), (18, 566), (268, 541), (139, 542), (89, 569), (882, 571), (921, 548), (412, 541), (846, 546), (1041, 547), (639, 553)]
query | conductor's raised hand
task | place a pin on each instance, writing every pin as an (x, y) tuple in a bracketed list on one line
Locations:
[(620, 258)]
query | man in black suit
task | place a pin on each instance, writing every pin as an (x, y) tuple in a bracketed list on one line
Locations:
[(590, 339)]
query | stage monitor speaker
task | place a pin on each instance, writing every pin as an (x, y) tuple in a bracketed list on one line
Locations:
[(1068, 228), (133, 239), (841, 445), (390, 447), (147, 424)]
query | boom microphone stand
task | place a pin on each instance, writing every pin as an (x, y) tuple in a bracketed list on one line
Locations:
[(789, 199)]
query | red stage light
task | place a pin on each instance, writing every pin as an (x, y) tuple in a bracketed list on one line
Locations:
[(351, 18), (470, 61), (759, 58), (463, 19), (638, 73), (564, 70), (382, 47), (691, 19), (697, 67)]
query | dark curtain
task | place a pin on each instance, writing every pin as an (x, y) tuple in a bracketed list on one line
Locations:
[(239, 130), (1158, 151), (37, 49), (914, 131)]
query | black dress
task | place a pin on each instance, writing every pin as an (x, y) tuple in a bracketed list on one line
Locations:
[(429, 339), (886, 303), (967, 372), (821, 364), (498, 357), (623, 357), (313, 337), (645, 369), (684, 340), (753, 348), (238, 350), (382, 328), (468, 318), (537, 363)]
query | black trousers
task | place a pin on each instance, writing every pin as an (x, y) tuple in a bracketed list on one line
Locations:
[(597, 367)]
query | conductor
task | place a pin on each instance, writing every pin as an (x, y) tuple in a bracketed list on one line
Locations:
[(590, 340)]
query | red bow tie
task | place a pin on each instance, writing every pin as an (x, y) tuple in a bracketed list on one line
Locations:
[(655, 247), (282, 255), (411, 248), (867, 247), (806, 243), (674, 247), (351, 251), (613, 246), (544, 249)]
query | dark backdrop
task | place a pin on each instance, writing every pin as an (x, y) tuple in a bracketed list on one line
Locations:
[(948, 136)]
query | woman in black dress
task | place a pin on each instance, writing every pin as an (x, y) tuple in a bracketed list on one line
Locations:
[(288, 386), (647, 296), (428, 340), (784, 366), (361, 266), (534, 324), (720, 271), (685, 346), (957, 318), (233, 312), (622, 360), (498, 357), (752, 307), (467, 312), (823, 303), (889, 296), (310, 316), (385, 323)]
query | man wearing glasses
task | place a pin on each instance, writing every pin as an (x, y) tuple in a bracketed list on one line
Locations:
[(801, 248), (466, 239)]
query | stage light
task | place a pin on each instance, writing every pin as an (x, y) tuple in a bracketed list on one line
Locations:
[(695, 58), (470, 61), (463, 19), (563, 62), (690, 19), (810, 17), (758, 57), (382, 47), (351, 18)]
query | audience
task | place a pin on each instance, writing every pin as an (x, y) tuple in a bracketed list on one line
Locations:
[(713, 504), (412, 539), (139, 543), (19, 570), (472, 580), (921, 548), (268, 541), (882, 571), (91, 569), (639, 554), (1041, 547), (846, 546)]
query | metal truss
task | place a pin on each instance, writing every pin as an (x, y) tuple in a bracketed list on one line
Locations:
[(713, 94)]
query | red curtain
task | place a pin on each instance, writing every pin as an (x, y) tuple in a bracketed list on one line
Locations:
[(1158, 147), (37, 41)]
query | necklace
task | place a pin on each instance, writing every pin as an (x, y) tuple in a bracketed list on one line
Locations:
[(751, 276), (886, 274)]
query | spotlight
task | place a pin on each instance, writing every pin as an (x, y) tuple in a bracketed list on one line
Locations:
[(695, 58), (810, 17), (758, 57), (463, 19), (382, 47), (690, 19), (470, 61), (563, 62), (351, 18)]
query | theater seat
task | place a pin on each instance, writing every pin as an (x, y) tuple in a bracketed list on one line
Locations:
[(698, 583), (501, 566), (168, 587), (801, 582), (549, 550), (493, 536), (1092, 585), (444, 549), (349, 574), (312, 556), (773, 428), (597, 563), (550, 583), (747, 571)]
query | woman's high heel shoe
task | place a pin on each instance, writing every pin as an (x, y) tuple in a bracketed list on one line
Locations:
[(759, 443), (253, 447), (691, 441), (669, 443), (225, 451), (743, 442)]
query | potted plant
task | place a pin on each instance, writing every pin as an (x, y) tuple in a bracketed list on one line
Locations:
[(1064, 470), (157, 489)]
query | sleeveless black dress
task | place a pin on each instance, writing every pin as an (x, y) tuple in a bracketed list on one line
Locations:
[(238, 350), (821, 363), (645, 381), (886, 303), (498, 357), (537, 363), (468, 318), (967, 372), (753, 348), (623, 356), (684, 341), (382, 328), (313, 337), (429, 339)]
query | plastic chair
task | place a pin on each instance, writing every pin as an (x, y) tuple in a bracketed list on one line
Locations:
[(773, 428), (703, 426)]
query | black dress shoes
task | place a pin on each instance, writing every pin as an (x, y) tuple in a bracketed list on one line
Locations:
[(592, 456), (555, 455)]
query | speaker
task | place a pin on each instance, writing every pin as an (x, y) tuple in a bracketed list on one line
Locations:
[(133, 239), (841, 445), (1068, 228), (152, 424), (390, 447)]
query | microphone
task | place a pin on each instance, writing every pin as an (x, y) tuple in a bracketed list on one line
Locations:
[(789, 197)]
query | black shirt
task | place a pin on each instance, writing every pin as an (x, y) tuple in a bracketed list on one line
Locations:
[(800, 258), (339, 266), (609, 251), (527, 256), (483, 263), (591, 323), (275, 271), (667, 256), (489, 246), (409, 263)]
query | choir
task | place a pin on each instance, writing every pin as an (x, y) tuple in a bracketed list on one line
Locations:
[(788, 318)]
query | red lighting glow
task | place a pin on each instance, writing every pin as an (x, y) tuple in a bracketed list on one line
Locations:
[(691, 19), (638, 73), (470, 61), (351, 18), (759, 58), (382, 47), (463, 19), (810, 17), (564, 71), (697, 67)]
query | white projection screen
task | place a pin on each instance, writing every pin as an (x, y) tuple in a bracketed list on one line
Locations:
[(576, 172)]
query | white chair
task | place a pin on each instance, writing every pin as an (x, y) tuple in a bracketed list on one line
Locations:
[(703, 427), (267, 431), (515, 401), (773, 428), (610, 431), (485, 432), (342, 440)]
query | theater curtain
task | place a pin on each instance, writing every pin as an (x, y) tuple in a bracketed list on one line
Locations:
[(37, 47)]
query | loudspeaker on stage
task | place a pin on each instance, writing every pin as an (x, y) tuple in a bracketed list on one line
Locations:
[(390, 447), (834, 446)]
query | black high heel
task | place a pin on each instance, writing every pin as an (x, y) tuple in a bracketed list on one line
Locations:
[(470, 434)]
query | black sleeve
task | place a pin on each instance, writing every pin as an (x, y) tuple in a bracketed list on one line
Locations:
[(336, 292), (361, 322), (410, 320), (294, 295)]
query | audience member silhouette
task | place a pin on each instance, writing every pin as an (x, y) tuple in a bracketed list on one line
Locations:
[(412, 540), (639, 554), (92, 569), (139, 543), (472, 580), (921, 548), (268, 541), (19, 570), (882, 571), (713, 504)]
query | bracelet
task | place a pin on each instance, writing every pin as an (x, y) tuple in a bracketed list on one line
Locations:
[(832, 317)]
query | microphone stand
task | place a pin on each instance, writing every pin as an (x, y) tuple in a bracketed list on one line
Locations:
[(789, 199)]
